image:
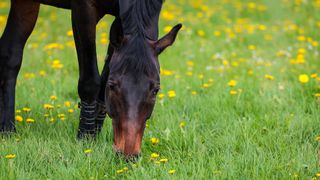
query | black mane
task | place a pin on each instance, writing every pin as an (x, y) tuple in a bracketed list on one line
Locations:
[(140, 17)]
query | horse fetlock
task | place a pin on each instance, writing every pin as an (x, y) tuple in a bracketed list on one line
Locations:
[(100, 115), (87, 125)]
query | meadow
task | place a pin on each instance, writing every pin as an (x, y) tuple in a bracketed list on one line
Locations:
[(240, 97)]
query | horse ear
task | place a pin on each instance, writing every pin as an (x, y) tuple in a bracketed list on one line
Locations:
[(168, 39)]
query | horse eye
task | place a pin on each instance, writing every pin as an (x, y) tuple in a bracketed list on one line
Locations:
[(112, 86)]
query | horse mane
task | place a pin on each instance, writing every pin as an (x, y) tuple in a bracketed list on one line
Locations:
[(137, 15)]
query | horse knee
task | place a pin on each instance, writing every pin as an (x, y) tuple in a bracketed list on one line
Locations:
[(10, 63), (88, 89)]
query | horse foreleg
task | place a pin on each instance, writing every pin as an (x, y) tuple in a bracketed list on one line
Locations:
[(22, 18), (101, 104), (84, 19)]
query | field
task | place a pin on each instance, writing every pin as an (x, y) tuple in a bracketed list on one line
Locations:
[(240, 97)]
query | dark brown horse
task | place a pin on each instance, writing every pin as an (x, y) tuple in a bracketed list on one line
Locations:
[(126, 90)]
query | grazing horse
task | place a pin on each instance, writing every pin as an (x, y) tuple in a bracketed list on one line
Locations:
[(127, 88)]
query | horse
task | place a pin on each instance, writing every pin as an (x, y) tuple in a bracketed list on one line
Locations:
[(127, 87)]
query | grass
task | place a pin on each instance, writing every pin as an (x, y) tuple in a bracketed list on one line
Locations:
[(267, 130)]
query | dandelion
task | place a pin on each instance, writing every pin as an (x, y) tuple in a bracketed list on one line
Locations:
[(48, 106), (194, 93), (53, 97), (205, 85), (42, 73), (154, 141), (70, 110), (154, 155), (172, 171), (182, 124), (25, 109), (269, 77), (317, 95), (70, 33), (315, 75), (303, 78), (171, 94), (232, 92), (67, 103), (10, 156), (252, 47), (30, 120), (164, 160), (167, 29), (125, 169), (56, 64), (232, 83), (88, 151), (161, 96), (201, 33), (120, 171), (19, 118)]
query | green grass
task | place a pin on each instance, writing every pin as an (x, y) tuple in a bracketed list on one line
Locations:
[(267, 130)]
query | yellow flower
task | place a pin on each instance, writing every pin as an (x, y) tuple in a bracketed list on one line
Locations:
[(48, 106), (161, 95), (303, 78), (25, 109), (67, 103), (315, 75), (232, 83), (167, 29), (190, 63), (232, 92), (53, 46), (318, 174), (317, 95), (88, 151), (269, 77), (164, 160), (120, 171), (251, 47), (29, 120), (42, 73), (53, 97), (70, 33), (194, 93), (125, 169), (56, 64), (167, 15), (201, 33), (154, 155), (171, 94), (70, 110), (182, 124), (19, 118), (154, 141), (205, 85), (10, 156), (172, 171), (216, 33)]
